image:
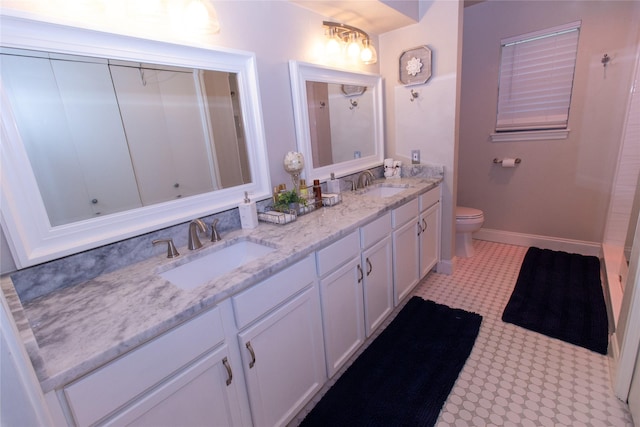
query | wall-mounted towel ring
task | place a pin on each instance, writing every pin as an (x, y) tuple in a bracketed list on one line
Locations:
[(414, 95)]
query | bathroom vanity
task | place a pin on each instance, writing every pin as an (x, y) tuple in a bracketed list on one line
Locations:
[(251, 347), (197, 340)]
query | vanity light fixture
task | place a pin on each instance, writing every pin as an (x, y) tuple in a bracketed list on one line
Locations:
[(351, 42)]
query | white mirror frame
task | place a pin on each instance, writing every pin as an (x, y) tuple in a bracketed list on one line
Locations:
[(31, 237), (301, 72)]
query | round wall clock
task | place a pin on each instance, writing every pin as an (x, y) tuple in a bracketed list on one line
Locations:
[(415, 66)]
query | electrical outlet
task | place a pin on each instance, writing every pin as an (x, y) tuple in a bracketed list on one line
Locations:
[(415, 157)]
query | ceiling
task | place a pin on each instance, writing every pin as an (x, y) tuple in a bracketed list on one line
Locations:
[(468, 3), (372, 16)]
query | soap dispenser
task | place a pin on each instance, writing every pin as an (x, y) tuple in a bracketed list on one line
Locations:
[(333, 185), (248, 213)]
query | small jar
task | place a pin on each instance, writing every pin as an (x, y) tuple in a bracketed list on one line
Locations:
[(303, 189), (317, 193)]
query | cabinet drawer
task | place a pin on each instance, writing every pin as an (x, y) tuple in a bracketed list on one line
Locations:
[(375, 230), (256, 301), (337, 253), (105, 390), (429, 198), (404, 213)]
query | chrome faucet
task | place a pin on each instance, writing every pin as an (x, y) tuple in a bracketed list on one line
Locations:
[(195, 226), (365, 178)]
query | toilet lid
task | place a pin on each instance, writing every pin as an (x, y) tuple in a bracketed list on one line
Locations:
[(467, 213)]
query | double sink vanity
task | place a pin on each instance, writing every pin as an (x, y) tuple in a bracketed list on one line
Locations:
[(242, 331), (236, 344)]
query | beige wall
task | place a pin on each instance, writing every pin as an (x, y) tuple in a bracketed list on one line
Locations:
[(276, 31), (428, 124), (562, 187)]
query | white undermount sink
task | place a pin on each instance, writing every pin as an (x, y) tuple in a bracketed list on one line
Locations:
[(215, 264), (382, 190)]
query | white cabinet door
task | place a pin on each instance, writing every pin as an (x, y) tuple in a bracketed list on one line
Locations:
[(378, 283), (283, 359), (406, 259), (137, 374), (429, 239), (343, 320), (203, 394)]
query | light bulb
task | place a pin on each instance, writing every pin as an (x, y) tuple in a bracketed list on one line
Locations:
[(196, 15), (368, 54), (353, 48), (334, 45)]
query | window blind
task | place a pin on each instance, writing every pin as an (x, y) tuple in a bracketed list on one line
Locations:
[(536, 79)]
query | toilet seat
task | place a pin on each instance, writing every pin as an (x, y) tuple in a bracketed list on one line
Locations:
[(468, 213)]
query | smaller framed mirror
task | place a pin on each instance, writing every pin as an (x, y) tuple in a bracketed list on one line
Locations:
[(338, 117)]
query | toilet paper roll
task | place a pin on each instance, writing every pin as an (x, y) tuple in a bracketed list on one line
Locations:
[(508, 163)]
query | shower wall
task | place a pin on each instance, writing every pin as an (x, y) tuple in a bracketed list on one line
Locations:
[(622, 217)]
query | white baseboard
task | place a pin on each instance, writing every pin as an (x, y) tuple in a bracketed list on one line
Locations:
[(445, 266), (614, 352), (614, 357), (542, 242)]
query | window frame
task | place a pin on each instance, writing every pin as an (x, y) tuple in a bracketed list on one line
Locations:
[(521, 118)]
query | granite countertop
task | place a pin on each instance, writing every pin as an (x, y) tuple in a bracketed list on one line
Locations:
[(75, 330)]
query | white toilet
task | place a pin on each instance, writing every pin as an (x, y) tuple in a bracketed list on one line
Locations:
[(468, 221)]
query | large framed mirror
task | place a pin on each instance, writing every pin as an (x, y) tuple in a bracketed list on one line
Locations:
[(339, 122), (105, 137)]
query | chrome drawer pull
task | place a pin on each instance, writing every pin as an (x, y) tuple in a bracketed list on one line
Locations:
[(253, 354), (225, 362)]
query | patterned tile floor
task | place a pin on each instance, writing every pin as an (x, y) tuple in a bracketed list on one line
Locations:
[(515, 377)]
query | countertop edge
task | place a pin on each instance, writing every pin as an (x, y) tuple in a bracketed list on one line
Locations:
[(52, 378)]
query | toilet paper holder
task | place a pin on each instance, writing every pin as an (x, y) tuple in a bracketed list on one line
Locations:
[(496, 160)]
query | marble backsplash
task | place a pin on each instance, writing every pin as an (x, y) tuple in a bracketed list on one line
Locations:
[(33, 282)]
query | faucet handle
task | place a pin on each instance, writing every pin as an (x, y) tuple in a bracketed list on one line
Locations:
[(215, 236), (172, 252), (353, 184)]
